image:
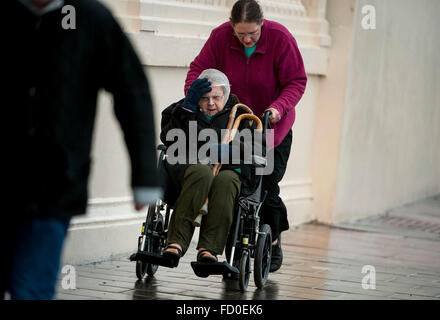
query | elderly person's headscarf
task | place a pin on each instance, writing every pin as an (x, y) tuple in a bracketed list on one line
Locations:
[(217, 78)]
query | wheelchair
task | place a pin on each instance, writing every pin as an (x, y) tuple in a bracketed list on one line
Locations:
[(247, 239)]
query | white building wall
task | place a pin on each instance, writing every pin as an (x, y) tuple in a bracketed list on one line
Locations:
[(390, 144)]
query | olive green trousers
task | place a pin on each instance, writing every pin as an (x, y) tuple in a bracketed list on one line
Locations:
[(221, 190)]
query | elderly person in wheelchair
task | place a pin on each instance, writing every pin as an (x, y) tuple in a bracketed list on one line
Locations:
[(208, 103)]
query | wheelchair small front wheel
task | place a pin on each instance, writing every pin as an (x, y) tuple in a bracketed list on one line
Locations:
[(140, 269), (154, 244), (245, 270), (263, 253)]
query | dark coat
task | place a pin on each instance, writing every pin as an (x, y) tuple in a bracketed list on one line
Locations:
[(175, 117), (53, 77)]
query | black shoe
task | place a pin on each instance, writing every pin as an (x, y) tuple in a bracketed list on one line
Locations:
[(203, 257), (277, 256), (172, 256)]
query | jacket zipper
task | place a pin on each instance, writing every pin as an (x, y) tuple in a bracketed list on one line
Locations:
[(247, 75)]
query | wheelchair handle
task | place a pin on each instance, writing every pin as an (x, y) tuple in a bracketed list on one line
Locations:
[(266, 123), (162, 147)]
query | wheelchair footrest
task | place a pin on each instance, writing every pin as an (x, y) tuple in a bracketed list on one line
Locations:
[(152, 258), (205, 269)]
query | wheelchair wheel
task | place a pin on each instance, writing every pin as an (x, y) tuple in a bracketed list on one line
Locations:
[(245, 270), (263, 253), (154, 244), (151, 244), (140, 269)]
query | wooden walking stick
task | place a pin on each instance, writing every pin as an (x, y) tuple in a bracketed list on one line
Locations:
[(231, 130)]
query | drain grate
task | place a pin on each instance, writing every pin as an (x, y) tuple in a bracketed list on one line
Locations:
[(410, 223), (420, 219)]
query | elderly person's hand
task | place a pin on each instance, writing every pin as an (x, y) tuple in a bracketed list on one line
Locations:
[(198, 88), (224, 153)]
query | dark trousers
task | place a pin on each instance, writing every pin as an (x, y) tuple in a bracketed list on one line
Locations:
[(221, 190), (273, 211), (31, 253)]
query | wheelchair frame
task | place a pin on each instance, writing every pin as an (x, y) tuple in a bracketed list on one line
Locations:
[(246, 239)]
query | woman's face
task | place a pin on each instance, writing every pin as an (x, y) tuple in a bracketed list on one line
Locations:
[(248, 33), (213, 101)]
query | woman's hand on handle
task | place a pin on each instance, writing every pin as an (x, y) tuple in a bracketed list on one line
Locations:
[(275, 116)]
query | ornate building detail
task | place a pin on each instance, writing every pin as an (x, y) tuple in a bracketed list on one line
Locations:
[(184, 25), (220, 3), (292, 8)]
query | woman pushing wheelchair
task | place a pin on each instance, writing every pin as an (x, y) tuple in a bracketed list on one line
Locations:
[(207, 105)]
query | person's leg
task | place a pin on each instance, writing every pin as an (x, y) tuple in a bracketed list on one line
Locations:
[(196, 183), (36, 258), (7, 244), (216, 224), (274, 211)]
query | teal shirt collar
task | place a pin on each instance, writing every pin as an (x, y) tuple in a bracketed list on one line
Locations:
[(250, 51)]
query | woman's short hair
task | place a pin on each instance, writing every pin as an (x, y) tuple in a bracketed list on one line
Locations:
[(218, 78), (246, 11)]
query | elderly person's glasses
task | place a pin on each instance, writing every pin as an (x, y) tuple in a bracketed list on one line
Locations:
[(208, 99)]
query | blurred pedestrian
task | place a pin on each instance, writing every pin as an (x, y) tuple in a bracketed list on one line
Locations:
[(53, 77)]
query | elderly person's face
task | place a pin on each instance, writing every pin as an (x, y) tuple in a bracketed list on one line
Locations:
[(213, 101)]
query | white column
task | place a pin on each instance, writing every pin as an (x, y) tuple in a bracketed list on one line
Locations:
[(319, 26)]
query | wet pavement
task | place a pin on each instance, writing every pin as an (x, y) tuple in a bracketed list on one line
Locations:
[(365, 259)]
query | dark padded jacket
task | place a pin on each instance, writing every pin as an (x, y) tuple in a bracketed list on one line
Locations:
[(53, 78), (175, 117)]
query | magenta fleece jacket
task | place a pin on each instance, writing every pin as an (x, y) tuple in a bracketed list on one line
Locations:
[(273, 76)]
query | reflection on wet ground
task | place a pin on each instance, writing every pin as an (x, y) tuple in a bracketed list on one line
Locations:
[(320, 262)]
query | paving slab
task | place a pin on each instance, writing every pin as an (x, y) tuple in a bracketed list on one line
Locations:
[(363, 260)]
